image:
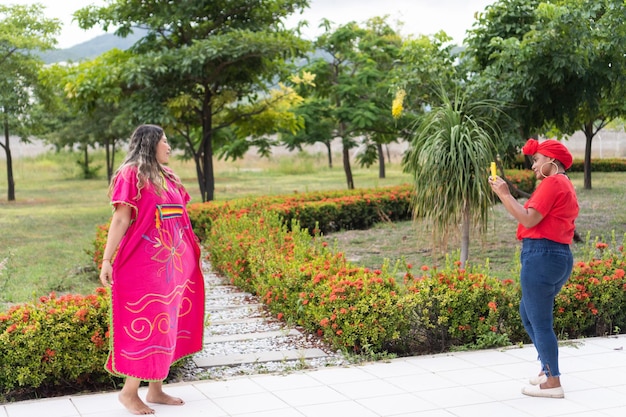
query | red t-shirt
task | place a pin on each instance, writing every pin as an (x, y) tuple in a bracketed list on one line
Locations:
[(555, 198)]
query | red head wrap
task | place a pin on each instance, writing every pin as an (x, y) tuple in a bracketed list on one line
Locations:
[(550, 148)]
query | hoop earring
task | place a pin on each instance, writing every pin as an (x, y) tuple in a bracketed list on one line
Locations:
[(544, 164)]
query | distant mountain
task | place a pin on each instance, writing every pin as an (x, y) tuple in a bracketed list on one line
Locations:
[(91, 48)]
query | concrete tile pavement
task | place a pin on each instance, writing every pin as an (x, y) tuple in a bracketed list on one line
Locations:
[(461, 384)]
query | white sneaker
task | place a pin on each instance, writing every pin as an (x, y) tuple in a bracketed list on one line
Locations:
[(536, 391)]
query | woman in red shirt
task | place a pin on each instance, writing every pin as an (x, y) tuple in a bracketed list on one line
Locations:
[(546, 229)]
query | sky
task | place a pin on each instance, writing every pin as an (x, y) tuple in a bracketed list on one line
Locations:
[(424, 17)]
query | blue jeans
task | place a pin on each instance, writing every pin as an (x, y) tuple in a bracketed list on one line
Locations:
[(546, 266)]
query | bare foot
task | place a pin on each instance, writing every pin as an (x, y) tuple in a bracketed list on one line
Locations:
[(163, 398), (134, 404)]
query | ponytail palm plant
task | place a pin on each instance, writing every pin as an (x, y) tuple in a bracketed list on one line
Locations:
[(448, 158)]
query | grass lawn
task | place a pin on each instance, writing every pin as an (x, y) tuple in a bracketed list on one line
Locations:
[(600, 216), (46, 235)]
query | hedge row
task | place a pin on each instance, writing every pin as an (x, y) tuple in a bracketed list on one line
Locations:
[(63, 341), (398, 309), (330, 211), (55, 343), (578, 165)]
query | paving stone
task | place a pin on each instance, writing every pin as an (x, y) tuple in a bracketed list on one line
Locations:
[(232, 307), (235, 321), (250, 336), (244, 358), (241, 334)]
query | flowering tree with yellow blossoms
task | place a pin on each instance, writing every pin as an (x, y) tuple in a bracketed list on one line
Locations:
[(347, 95)]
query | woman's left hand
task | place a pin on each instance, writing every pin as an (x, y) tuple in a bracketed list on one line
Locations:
[(106, 273)]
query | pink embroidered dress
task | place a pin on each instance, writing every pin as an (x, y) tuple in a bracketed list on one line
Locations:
[(157, 294)]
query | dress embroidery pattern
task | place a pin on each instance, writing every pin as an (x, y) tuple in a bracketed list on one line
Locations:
[(169, 244)]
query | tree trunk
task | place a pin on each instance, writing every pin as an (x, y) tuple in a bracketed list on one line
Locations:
[(86, 174), (207, 187), (107, 151), (330, 154), (7, 151), (199, 172), (110, 157), (589, 134), (381, 161), (207, 184), (465, 234), (346, 167)]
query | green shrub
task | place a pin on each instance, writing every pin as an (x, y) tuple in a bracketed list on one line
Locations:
[(327, 211), (592, 302), (58, 341), (458, 307), (262, 247), (578, 165), (600, 165), (303, 282), (524, 180)]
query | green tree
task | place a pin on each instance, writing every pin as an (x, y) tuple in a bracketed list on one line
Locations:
[(205, 69), (318, 124), (425, 65), (560, 64), (335, 68), (88, 104), (350, 96), (379, 49), (489, 76), (24, 31), (448, 159)]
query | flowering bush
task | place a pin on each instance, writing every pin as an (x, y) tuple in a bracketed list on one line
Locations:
[(58, 341), (455, 307), (271, 246), (578, 165), (304, 282), (99, 243), (355, 308), (592, 302), (524, 180), (328, 211), (318, 212)]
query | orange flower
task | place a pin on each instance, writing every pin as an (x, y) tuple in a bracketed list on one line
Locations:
[(48, 355)]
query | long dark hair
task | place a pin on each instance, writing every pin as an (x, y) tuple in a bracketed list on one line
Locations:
[(142, 155)]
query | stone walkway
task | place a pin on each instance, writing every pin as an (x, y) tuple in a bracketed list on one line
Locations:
[(243, 338)]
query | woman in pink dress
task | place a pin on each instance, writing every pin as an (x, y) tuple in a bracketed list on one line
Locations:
[(151, 262)]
